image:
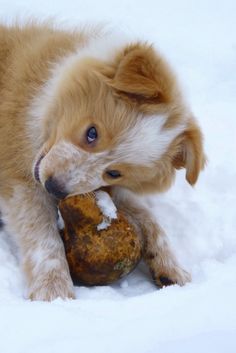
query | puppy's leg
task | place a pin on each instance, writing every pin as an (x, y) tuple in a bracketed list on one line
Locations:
[(30, 216), (157, 253)]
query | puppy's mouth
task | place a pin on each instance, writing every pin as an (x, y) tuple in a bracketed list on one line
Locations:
[(36, 168)]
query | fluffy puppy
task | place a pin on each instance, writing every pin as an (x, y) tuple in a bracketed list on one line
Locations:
[(78, 112)]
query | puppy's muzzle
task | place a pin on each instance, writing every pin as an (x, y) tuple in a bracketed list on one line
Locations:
[(54, 188)]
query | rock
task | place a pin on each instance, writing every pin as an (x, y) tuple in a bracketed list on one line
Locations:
[(97, 257)]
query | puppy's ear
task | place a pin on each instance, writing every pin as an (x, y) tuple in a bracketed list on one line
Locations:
[(190, 154), (142, 76)]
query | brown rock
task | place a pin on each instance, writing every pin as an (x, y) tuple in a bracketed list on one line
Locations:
[(97, 257)]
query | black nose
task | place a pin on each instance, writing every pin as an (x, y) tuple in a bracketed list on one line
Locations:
[(54, 188)]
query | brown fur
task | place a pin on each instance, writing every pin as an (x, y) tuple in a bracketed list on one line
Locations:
[(25, 56), (110, 95)]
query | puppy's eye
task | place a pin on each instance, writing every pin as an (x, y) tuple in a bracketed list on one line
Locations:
[(114, 174), (91, 134)]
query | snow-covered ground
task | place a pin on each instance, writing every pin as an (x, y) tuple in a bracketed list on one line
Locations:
[(199, 38)]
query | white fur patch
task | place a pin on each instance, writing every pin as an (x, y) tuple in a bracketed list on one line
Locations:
[(146, 141), (103, 48)]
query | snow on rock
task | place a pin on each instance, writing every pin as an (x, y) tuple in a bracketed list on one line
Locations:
[(133, 315), (107, 207), (60, 221)]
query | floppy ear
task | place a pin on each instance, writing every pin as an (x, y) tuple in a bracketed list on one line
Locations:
[(190, 153), (142, 76)]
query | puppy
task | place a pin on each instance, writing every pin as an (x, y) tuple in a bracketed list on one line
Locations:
[(80, 111)]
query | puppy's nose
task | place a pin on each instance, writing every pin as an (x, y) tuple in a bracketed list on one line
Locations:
[(54, 188)]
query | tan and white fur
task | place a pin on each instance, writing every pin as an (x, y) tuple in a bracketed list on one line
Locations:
[(54, 86)]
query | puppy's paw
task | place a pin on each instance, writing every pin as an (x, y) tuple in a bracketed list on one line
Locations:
[(170, 275), (51, 286)]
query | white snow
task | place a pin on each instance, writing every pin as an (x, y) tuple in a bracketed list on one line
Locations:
[(199, 39), (60, 221), (107, 207)]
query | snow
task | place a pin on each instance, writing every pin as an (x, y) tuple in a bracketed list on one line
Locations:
[(107, 207), (198, 37)]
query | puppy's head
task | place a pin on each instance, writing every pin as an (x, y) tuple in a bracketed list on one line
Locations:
[(117, 122)]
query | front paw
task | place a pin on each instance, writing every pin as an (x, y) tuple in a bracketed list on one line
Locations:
[(51, 286), (170, 275)]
